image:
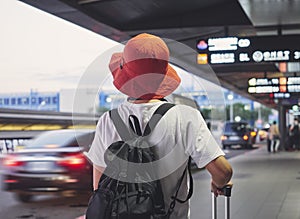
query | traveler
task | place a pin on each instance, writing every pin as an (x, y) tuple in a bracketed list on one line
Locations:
[(274, 136), (288, 139), (295, 134), (142, 72)]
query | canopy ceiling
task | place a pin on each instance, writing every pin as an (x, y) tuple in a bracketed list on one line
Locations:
[(186, 22)]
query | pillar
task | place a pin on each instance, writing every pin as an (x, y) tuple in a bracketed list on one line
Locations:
[(282, 125)]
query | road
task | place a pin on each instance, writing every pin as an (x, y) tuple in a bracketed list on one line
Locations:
[(53, 207), (43, 207)]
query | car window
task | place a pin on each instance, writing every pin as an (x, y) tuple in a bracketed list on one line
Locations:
[(83, 140), (236, 127), (55, 139)]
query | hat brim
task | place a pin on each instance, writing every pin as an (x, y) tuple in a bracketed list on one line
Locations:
[(149, 85)]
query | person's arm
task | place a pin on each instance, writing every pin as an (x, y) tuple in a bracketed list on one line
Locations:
[(221, 173), (97, 173)]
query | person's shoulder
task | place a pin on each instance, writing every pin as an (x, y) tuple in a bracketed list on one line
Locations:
[(186, 108), (105, 115), (103, 118), (187, 113)]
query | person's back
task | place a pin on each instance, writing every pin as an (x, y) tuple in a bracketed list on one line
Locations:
[(274, 136), (295, 134), (182, 132), (295, 130)]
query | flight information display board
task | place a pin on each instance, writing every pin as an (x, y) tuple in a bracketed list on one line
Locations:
[(281, 87), (257, 49)]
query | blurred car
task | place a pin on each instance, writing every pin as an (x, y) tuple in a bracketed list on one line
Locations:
[(238, 133), (263, 134), (51, 162)]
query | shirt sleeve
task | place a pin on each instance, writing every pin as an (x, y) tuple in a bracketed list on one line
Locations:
[(105, 134), (200, 143)]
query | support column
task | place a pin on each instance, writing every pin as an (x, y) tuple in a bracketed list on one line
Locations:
[(282, 125)]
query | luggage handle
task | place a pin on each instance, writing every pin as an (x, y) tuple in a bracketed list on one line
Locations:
[(227, 193), (227, 190)]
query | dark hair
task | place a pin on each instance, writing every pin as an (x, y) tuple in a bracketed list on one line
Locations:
[(274, 122)]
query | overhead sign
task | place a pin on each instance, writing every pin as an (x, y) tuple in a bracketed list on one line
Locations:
[(283, 86), (280, 95), (257, 49)]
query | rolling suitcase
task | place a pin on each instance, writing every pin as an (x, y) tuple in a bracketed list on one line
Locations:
[(227, 194)]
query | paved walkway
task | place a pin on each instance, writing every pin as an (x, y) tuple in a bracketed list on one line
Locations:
[(266, 186)]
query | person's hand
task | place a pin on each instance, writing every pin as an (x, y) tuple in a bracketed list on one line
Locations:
[(218, 191), (81, 217), (215, 189)]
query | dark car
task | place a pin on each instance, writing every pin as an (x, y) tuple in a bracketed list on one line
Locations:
[(238, 133), (51, 162)]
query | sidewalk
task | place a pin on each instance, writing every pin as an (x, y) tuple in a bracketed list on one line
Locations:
[(266, 186)]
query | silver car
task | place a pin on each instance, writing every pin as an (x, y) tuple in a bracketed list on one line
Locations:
[(51, 163)]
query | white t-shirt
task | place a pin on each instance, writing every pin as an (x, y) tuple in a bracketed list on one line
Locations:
[(181, 132)]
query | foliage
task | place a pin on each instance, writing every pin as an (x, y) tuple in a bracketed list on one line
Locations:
[(249, 115), (101, 110)]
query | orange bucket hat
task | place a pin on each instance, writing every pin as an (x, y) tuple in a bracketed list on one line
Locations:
[(142, 70)]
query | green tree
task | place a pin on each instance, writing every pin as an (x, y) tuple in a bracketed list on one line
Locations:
[(248, 115), (240, 110), (265, 113), (206, 113), (101, 110)]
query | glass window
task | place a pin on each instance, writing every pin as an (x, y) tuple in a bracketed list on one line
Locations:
[(25, 100), (1, 101), (19, 101), (6, 101), (61, 139), (236, 127), (54, 100), (41, 99), (47, 99), (33, 100), (13, 101)]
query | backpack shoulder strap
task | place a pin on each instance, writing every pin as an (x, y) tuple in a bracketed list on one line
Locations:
[(125, 133), (157, 115)]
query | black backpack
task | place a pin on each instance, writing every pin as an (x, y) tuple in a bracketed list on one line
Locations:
[(128, 188)]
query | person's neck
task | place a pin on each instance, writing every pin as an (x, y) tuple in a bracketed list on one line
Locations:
[(139, 101)]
